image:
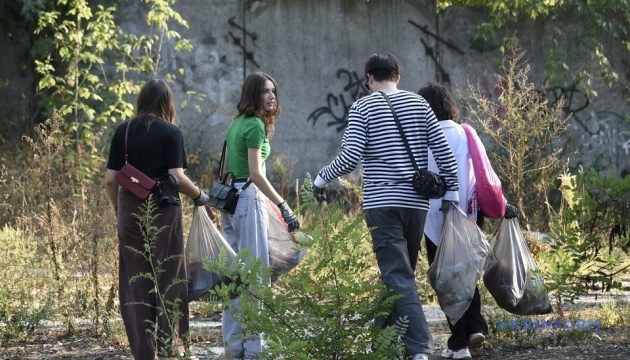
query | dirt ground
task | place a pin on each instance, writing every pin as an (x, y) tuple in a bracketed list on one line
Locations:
[(606, 343)]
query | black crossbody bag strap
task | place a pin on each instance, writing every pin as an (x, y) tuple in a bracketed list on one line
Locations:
[(402, 133), (126, 136), (222, 168)]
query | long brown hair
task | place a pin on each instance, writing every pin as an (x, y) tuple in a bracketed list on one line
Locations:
[(251, 103), (155, 101)]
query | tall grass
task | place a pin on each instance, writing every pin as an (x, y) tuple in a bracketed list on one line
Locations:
[(59, 228)]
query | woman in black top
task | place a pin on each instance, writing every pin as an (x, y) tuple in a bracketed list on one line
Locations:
[(156, 147)]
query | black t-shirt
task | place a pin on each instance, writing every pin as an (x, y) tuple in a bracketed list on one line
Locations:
[(152, 151)]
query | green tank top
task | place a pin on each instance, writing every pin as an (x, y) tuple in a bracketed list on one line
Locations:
[(245, 133)]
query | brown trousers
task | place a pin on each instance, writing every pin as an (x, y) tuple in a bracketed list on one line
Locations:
[(151, 331)]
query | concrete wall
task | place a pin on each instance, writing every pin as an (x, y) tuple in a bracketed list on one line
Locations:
[(316, 50)]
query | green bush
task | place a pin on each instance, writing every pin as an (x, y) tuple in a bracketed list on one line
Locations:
[(591, 240), (324, 308)]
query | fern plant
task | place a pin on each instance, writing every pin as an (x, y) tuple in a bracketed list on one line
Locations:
[(324, 308)]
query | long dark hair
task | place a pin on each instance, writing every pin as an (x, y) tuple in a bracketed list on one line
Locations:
[(155, 101), (251, 104), (442, 103)]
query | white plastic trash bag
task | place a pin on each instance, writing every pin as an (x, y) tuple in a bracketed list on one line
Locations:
[(460, 260), (284, 251), (205, 242)]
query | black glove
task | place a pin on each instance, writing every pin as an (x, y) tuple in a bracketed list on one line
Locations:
[(511, 211), (319, 193), (202, 199), (288, 216), (444, 207)]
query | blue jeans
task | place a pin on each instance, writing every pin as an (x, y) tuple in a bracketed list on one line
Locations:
[(246, 228), (396, 236)]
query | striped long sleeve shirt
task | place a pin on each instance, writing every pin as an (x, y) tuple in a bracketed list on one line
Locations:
[(372, 137)]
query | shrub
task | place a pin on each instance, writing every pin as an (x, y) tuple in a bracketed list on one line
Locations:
[(591, 240), (325, 307)]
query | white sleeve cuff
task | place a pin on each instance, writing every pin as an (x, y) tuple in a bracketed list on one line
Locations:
[(451, 196), (320, 182)]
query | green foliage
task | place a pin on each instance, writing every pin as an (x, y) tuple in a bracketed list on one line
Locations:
[(582, 36), (590, 235), (523, 131), (90, 69), (24, 299), (325, 307)]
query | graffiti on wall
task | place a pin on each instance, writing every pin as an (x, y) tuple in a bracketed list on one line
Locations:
[(603, 135), (574, 102), (606, 140), (441, 75), (338, 103)]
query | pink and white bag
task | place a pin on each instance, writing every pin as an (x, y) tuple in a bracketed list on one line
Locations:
[(488, 193)]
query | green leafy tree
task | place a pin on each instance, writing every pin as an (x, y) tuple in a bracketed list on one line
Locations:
[(91, 69), (582, 36)]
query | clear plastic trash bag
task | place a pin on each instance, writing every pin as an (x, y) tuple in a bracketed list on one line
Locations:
[(284, 251), (513, 278), (205, 242), (460, 260)]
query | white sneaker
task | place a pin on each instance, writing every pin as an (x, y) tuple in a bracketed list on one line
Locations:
[(459, 354), (476, 339), (418, 356)]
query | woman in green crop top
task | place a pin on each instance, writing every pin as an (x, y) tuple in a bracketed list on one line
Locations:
[(247, 149)]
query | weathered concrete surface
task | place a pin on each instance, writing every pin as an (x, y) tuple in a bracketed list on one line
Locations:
[(316, 50)]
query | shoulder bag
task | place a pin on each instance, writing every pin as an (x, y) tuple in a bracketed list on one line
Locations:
[(426, 183), (133, 179), (223, 195)]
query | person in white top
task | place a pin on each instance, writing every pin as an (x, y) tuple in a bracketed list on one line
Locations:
[(470, 329)]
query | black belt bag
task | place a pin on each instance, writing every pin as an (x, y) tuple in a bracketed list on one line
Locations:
[(429, 184), (224, 196)]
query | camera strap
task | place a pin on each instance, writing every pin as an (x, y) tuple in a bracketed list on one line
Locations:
[(402, 133)]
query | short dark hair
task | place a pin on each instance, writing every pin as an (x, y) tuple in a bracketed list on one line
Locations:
[(442, 103), (383, 67)]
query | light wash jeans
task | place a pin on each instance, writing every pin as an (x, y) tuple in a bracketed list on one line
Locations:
[(246, 228)]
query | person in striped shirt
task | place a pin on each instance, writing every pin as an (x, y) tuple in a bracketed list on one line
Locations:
[(393, 210)]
